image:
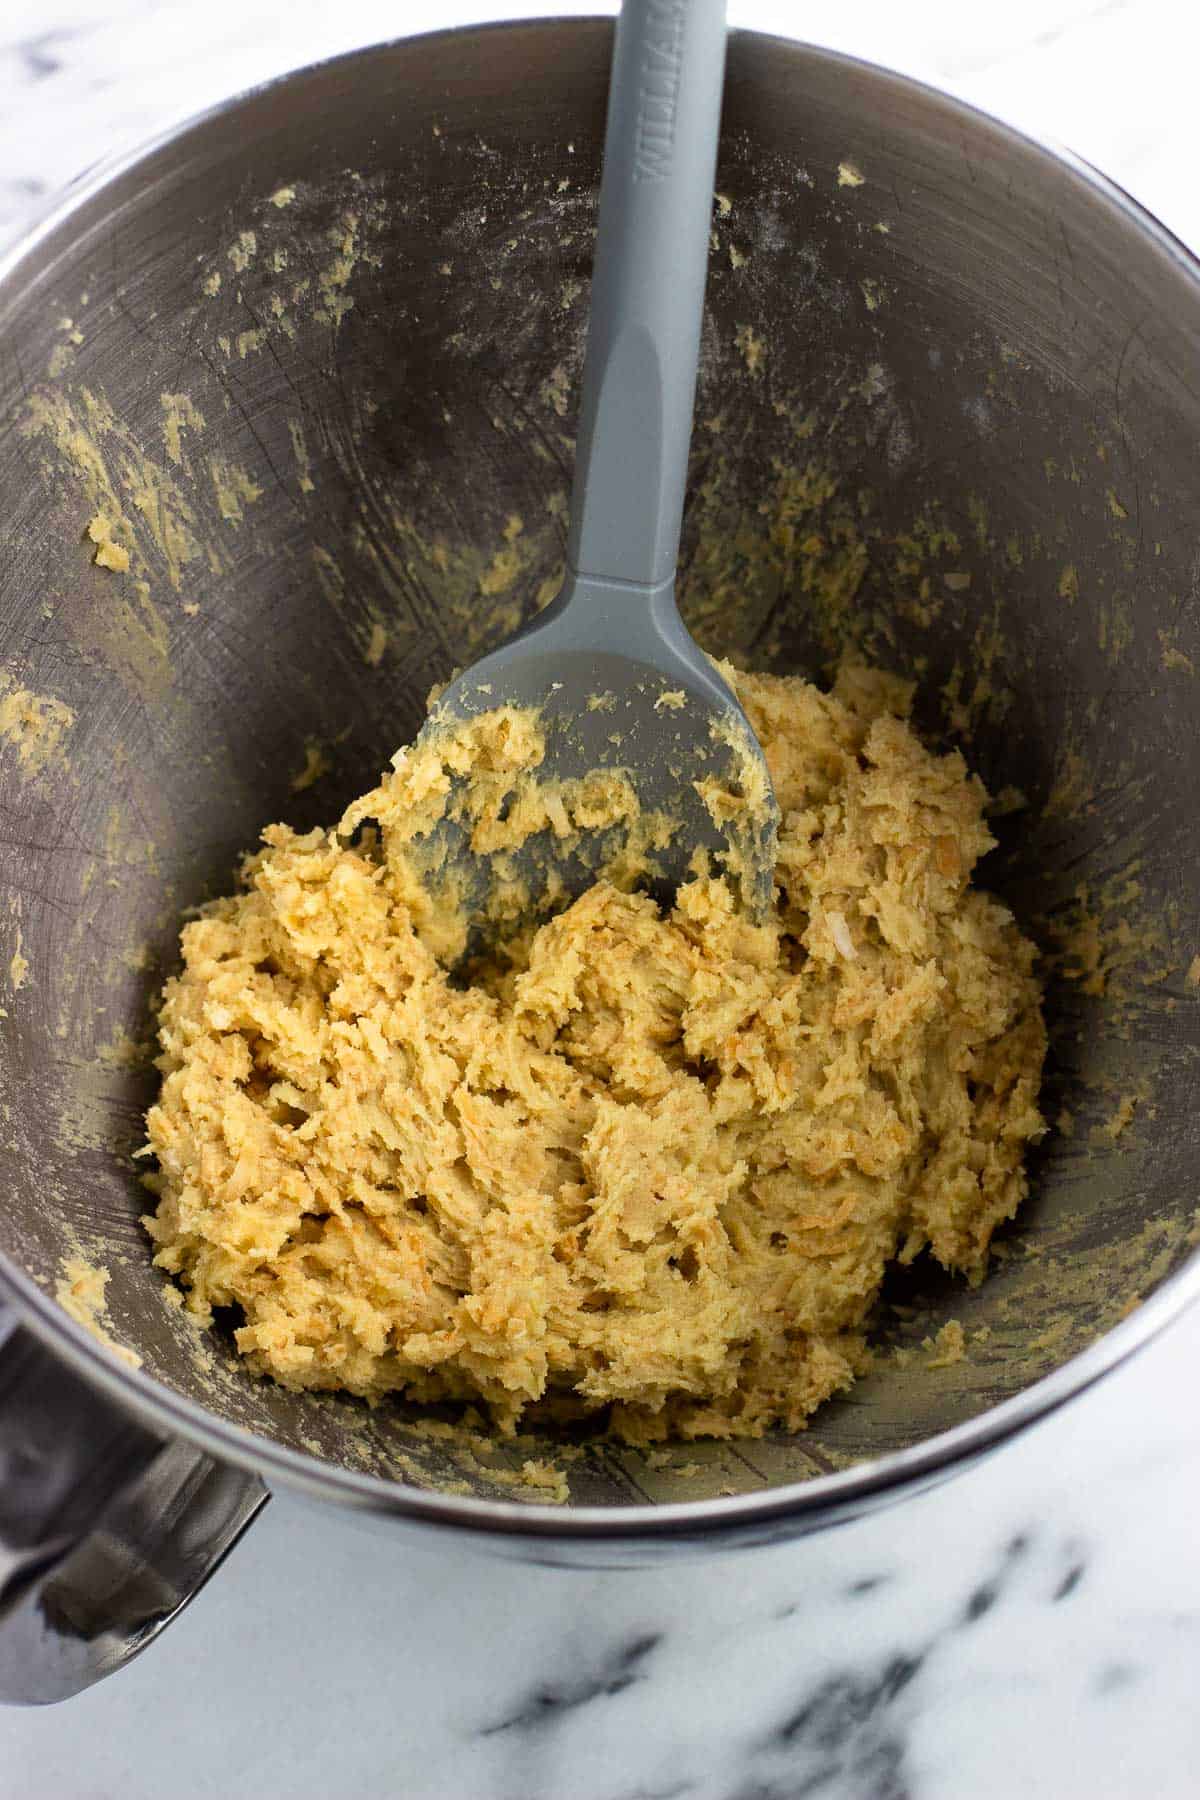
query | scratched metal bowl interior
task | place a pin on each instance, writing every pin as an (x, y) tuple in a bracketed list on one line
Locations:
[(322, 351)]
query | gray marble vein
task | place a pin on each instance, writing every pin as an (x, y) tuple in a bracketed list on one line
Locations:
[(1030, 1629)]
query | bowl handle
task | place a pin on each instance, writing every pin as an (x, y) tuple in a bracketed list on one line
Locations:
[(106, 1531)]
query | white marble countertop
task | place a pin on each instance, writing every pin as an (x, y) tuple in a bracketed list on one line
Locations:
[(1032, 1628)]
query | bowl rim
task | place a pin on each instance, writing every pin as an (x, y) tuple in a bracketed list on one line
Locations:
[(794, 1507)]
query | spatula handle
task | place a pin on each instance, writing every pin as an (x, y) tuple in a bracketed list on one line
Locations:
[(647, 301)]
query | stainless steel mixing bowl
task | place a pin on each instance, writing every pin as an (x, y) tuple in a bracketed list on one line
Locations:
[(319, 348)]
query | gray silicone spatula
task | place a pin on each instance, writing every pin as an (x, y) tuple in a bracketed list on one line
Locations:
[(618, 681)]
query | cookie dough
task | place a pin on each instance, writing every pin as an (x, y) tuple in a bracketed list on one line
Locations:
[(648, 1167)]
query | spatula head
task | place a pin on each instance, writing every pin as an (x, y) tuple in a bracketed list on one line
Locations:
[(624, 757)]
